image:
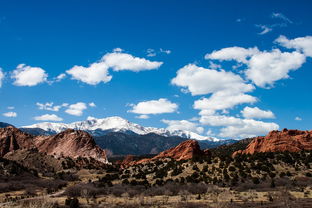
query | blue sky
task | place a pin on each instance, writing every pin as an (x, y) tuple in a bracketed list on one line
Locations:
[(127, 54)]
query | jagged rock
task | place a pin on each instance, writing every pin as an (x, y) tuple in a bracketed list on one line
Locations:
[(69, 143), (12, 139), (280, 141)]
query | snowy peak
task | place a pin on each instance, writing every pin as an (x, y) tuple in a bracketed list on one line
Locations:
[(116, 124)]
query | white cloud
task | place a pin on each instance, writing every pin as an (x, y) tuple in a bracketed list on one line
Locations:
[(124, 61), (265, 68), (10, 114), (265, 29), (10, 107), (1, 77), (249, 128), (222, 101), (200, 81), (28, 76), (154, 107), (49, 106), (143, 117), (238, 54), (48, 117), (117, 50), (214, 66), (165, 51), (298, 118), (60, 77), (76, 109), (92, 104), (255, 112), (183, 125), (93, 75), (302, 44), (99, 71), (150, 52), (281, 16), (237, 127), (220, 120)]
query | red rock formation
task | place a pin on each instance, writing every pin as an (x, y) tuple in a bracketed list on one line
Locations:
[(184, 151), (13, 139), (279, 141), (69, 143)]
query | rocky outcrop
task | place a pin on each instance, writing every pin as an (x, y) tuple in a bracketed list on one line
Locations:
[(184, 151), (13, 139), (69, 143), (280, 141)]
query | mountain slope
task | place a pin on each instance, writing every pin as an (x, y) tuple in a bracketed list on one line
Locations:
[(70, 143), (100, 127)]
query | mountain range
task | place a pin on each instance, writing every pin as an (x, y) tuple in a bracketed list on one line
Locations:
[(119, 136), (100, 127)]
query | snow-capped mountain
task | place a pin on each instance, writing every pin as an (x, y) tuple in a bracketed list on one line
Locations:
[(98, 127)]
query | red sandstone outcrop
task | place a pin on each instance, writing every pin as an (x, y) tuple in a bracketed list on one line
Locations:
[(184, 151), (13, 139), (280, 141), (69, 143)]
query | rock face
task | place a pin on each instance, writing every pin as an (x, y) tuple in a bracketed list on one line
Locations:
[(184, 151), (70, 143), (13, 139), (279, 141)]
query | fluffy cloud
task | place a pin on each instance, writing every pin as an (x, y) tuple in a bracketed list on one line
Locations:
[(1, 77), (10, 114), (183, 125), (238, 54), (255, 112), (92, 104), (302, 44), (28, 76), (248, 128), (76, 109), (200, 81), (92, 75), (265, 68), (220, 120), (118, 61), (154, 107), (49, 106), (222, 101), (124, 61), (237, 127), (48, 117)]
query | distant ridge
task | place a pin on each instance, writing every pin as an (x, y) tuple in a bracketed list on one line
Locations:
[(100, 127)]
